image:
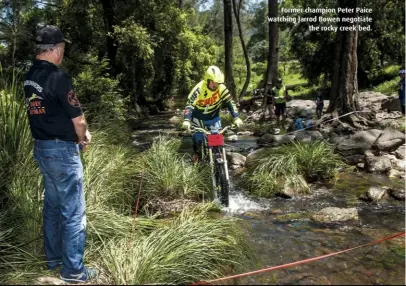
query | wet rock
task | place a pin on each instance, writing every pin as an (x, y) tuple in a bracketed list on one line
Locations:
[(245, 133), (232, 138), (236, 159), (361, 165), (400, 152), (275, 140), (257, 154), (175, 120), (398, 194), (308, 136), (375, 194), (354, 159), (358, 143), (395, 174), (294, 188), (333, 214), (389, 140), (375, 164), (391, 103), (229, 132)]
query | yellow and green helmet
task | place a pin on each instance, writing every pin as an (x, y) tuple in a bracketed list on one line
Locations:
[(214, 74)]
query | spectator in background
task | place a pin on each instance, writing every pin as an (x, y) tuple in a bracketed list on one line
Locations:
[(402, 91)]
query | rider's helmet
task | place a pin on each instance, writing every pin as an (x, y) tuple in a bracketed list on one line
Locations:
[(214, 74)]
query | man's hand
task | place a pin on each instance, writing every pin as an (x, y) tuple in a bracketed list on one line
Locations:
[(88, 137), (186, 125), (238, 122)]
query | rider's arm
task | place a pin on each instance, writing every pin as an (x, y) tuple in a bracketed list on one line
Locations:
[(228, 101), (190, 105)]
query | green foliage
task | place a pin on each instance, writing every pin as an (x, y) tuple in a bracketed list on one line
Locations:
[(99, 94), (283, 165), (191, 248), (389, 87), (169, 175)]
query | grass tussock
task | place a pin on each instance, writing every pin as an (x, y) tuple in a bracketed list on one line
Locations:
[(289, 164), (170, 175), (191, 248)]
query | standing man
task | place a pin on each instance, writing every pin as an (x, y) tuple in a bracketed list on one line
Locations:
[(402, 91), (319, 105), (280, 95), (60, 131)]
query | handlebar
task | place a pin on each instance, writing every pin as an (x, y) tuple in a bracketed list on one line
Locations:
[(198, 129)]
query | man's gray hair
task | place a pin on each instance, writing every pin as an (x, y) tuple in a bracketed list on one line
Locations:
[(45, 48)]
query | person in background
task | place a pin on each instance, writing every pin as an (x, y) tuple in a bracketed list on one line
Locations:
[(280, 96), (309, 122), (60, 131), (319, 105), (299, 123), (402, 91)]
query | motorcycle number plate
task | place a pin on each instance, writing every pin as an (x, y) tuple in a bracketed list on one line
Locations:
[(215, 140)]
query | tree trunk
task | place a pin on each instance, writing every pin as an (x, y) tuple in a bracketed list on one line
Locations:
[(237, 11), (272, 69), (344, 89), (108, 17), (228, 46)]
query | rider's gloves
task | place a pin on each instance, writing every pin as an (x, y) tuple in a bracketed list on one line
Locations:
[(186, 125), (238, 122)]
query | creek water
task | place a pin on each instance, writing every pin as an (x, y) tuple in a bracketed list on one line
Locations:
[(281, 231)]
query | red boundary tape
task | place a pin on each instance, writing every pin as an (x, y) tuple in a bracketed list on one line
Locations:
[(297, 262)]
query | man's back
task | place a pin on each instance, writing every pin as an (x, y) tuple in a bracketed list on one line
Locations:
[(51, 102)]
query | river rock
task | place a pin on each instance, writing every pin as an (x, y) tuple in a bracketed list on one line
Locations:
[(302, 108), (376, 164), (232, 138), (333, 214), (358, 143), (400, 152), (391, 103), (371, 100), (245, 133), (256, 155), (398, 194), (393, 174), (294, 188), (229, 133), (308, 136), (275, 140), (389, 140), (47, 280), (175, 120), (236, 160), (375, 194)]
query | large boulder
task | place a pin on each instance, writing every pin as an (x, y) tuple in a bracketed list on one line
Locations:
[(308, 136), (389, 140), (371, 100), (358, 143), (235, 160), (333, 214), (375, 194), (275, 140), (301, 108), (376, 164), (391, 103)]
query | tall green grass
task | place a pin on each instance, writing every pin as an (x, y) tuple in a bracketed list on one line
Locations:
[(388, 87), (191, 248), (276, 167), (169, 175)]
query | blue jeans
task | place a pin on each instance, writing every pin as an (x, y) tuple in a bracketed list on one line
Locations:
[(64, 212)]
